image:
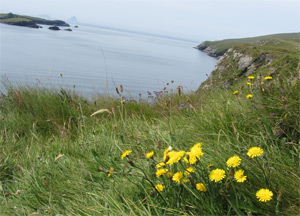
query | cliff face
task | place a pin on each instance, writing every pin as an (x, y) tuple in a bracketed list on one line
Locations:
[(211, 51), (274, 57)]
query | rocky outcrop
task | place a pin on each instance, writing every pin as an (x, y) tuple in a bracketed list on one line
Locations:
[(213, 52), (234, 65), (55, 28)]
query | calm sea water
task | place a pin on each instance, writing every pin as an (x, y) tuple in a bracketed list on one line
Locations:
[(97, 60)]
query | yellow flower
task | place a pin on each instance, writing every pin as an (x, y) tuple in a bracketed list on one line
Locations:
[(188, 171), (150, 154), (196, 147), (234, 161), (255, 152), (185, 159), (201, 187), (161, 164), (262, 89), (167, 150), (170, 175), (235, 92), (160, 172), (249, 83), (268, 78), (249, 96), (174, 156), (250, 77), (184, 180), (110, 171), (195, 153), (264, 195), (239, 176), (125, 153), (217, 175), (177, 177), (159, 187)]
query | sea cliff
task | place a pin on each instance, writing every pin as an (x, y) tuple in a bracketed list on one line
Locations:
[(274, 55)]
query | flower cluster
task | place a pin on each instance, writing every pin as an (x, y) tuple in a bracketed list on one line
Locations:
[(180, 167), (251, 85)]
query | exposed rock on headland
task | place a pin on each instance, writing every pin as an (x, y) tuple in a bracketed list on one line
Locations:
[(239, 58), (55, 28)]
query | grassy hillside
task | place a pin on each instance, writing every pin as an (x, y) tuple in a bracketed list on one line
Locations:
[(220, 47), (28, 21), (58, 158), (274, 57)]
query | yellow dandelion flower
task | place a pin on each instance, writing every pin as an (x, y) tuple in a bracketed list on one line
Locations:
[(268, 78), (177, 177), (185, 159), (217, 175), (195, 153), (196, 146), (264, 195), (125, 153), (234, 161), (188, 171), (262, 89), (174, 156), (170, 175), (160, 172), (235, 92), (167, 150), (150, 154), (184, 180), (161, 164), (110, 171), (249, 96), (159, 187), (255, 152), (248, 83), (250, 77), (239, 176), (201, 187)]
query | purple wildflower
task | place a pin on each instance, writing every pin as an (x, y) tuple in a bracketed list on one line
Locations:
[(282, 90), (272, 114)]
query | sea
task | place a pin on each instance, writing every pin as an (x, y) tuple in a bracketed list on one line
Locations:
[(92, 60)]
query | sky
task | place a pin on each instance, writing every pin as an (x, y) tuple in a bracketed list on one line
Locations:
[(196, 20)]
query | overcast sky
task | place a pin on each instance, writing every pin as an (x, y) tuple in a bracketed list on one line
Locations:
[(192, 19)]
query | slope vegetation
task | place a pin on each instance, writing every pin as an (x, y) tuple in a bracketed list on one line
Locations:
[(28, 21), (221, 151)]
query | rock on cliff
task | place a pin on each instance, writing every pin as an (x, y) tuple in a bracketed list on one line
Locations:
[(273, 57)]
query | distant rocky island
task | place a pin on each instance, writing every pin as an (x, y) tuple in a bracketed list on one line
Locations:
[(28, 21)]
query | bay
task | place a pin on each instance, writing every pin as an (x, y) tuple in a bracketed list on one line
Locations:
[(96, 60)]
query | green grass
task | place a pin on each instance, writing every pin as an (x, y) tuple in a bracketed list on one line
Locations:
[(223, 45), (55, 157), (15, 20), (283, 53), (37, 125)]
